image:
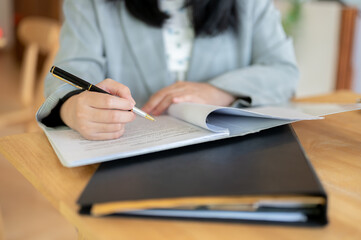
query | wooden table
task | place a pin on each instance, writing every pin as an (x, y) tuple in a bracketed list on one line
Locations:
[(1, 227), (333, 145)]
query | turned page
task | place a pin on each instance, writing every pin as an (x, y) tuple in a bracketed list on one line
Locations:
[(238, 121)]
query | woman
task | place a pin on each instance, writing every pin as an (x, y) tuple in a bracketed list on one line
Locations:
[(229, 52)]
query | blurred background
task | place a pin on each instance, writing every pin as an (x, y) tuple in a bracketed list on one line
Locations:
[(327, 39)]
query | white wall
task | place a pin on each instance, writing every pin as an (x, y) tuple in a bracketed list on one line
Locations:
[(317, 48), (316, 44)]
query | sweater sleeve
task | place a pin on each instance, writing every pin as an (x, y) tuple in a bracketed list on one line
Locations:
[(54, 119), (81, 52)]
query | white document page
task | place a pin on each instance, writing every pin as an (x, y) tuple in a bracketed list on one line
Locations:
[(256, 216), (141, 136)]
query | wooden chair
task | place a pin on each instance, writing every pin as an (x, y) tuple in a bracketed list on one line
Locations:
[(39, 36), (346, 48)]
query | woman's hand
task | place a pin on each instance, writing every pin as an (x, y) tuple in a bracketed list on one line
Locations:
[(187, 92), (99, 116)]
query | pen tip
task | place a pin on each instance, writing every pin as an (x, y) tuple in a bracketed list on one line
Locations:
[(149, 117)]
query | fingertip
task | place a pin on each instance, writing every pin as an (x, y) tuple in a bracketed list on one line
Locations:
[(129, 97), (146, 109), (155, 113), (133, 101), (131, 105), (176, 100)]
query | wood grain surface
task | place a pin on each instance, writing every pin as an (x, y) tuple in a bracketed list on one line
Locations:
[(333, 146)]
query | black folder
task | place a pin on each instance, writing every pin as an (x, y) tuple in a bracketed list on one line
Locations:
[(262, 177)]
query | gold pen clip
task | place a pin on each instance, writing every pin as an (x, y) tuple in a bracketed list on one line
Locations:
[(62, 79)]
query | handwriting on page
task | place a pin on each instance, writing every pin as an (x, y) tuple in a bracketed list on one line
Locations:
[(150, 132), (141, 136)]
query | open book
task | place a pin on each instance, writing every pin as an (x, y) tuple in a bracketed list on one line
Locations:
[(185, 124)]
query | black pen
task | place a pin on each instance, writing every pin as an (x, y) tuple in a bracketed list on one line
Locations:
[(84, 85)]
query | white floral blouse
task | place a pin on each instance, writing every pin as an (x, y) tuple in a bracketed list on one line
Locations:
[(178, 35)]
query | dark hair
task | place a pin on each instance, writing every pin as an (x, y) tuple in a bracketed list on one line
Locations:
[(209, 17)]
